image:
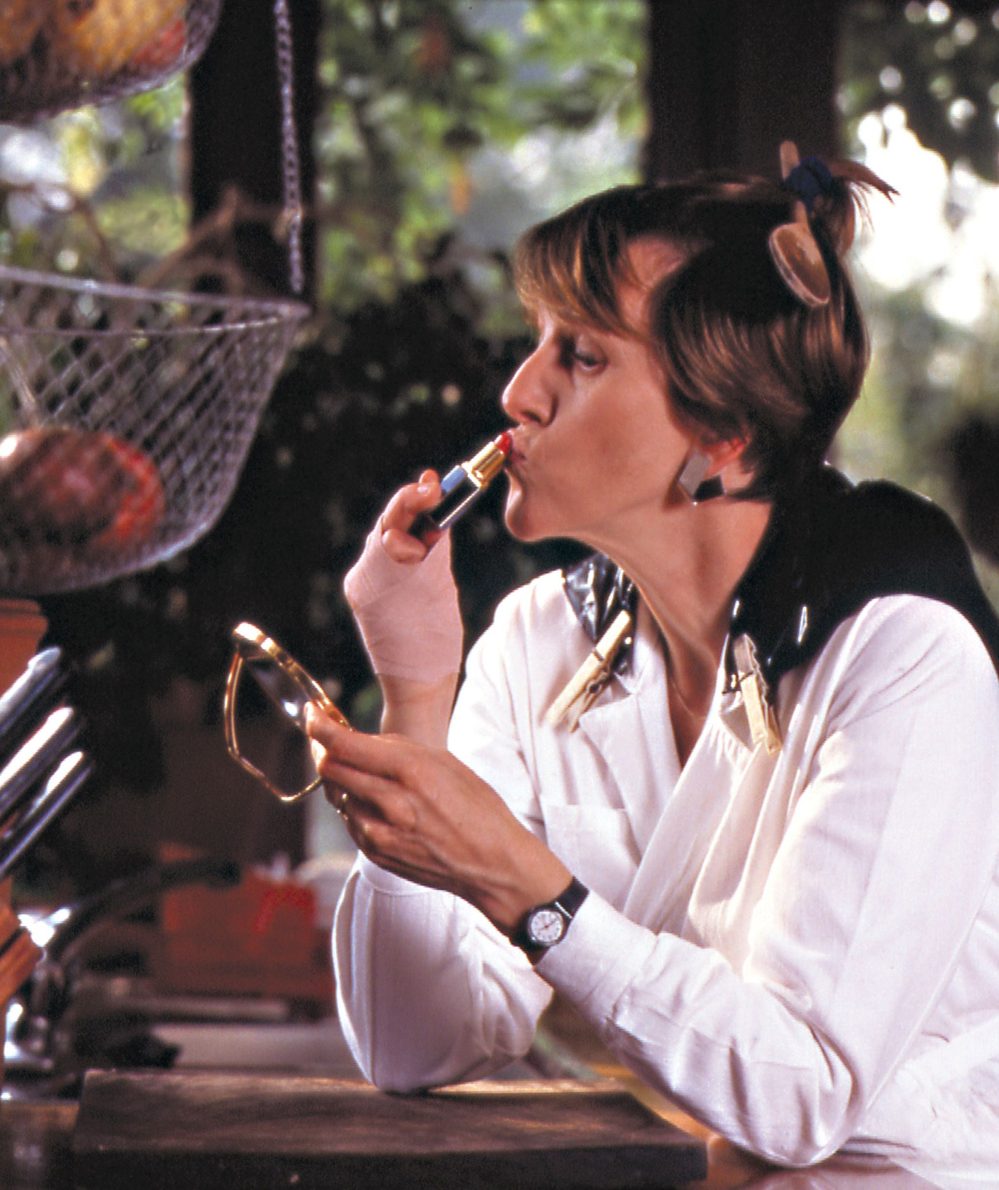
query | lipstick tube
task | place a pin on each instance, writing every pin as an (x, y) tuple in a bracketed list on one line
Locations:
[(463, 485)]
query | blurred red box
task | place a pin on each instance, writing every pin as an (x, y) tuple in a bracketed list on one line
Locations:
[(259, 938)]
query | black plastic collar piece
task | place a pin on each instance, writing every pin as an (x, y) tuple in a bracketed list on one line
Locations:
[(826, 553), (597, 589)]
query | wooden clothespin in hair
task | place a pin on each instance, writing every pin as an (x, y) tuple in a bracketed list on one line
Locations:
[(763, 725), (793, 248), (584, 687)]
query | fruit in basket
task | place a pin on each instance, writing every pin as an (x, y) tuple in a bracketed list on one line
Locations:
[(86, 490), (95, 39), (163, 50), (140, 504), (19, 25), (52, 486)]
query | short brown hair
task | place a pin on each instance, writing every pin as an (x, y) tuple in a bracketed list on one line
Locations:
[(741, 355)]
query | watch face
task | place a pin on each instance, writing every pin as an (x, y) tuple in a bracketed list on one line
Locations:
[(545, 926)]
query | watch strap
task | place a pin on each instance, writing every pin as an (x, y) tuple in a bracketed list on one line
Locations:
[(572, 898), (566, 904)]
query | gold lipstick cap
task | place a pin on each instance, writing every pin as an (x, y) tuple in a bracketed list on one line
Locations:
[(490, 460)]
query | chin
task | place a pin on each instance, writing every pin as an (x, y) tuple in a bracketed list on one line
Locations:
[(526, 525), (519, 530), (518, 520)]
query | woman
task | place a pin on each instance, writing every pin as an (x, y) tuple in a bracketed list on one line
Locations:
[(752, 835)]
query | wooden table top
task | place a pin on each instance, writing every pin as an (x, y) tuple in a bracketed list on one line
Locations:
[(37, 1153), (59, 1145)]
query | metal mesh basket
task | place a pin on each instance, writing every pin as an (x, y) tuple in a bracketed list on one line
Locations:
[(126, 416), (60, 54)]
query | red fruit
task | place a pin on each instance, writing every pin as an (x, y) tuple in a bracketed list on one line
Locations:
[(76, 488), (141, 503), (163, 50)]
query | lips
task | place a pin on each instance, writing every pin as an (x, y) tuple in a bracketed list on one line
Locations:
[(518, 454)]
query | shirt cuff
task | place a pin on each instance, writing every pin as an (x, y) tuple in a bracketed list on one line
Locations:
[(595, 963)]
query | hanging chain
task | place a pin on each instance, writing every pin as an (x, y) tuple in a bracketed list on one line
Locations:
[(290, 175)]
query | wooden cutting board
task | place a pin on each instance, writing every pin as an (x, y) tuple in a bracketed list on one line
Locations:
[(254, 1131)]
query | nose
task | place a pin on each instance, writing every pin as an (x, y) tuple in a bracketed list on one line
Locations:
[(529, 395)]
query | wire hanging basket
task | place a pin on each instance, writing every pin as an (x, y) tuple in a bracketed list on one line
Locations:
[(126, 416), (62, 54)]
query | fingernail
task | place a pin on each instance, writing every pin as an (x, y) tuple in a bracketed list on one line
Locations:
[(423, 488)]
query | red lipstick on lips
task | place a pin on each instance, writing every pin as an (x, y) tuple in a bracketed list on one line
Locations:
[(463, 485)]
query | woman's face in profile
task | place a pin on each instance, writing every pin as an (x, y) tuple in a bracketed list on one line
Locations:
[(597, 447)]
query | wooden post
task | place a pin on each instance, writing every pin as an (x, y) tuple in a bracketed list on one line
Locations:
[(235, 128), (730, 79)]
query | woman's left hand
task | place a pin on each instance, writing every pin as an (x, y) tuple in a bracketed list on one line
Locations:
[(420, 813)]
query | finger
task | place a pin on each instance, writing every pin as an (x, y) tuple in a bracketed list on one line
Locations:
[(364, 826), (397, 539), (322, 730), (316, 750), (410, 500), (339, 773), (337, 798), (402, 546), (368, 795), (355, 826), (387, 756)]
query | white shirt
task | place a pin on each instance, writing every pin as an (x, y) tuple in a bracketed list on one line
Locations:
[(801, 949)]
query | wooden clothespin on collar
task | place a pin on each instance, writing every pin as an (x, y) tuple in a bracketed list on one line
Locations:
[(586, 684), (756, 697)]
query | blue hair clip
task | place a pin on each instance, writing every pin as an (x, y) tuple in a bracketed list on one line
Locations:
[(809, 180)]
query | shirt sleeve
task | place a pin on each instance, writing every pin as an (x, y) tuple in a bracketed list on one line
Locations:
[(428, 991), (886, 859)]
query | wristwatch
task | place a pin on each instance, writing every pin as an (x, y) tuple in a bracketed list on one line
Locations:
[(546, 925)]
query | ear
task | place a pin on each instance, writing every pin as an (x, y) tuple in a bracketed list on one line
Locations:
[(701, 477), (724, 452)]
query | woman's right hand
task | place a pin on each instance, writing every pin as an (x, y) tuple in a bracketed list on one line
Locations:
[(405, 601)]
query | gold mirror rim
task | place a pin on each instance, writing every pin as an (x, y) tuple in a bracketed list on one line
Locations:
[(246, 635)]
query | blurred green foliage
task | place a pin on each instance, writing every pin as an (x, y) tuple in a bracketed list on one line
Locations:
[(414, 92), (930, 410), (97, 191)]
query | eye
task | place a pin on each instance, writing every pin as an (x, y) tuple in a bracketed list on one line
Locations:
[(578, 353), (586, 359)]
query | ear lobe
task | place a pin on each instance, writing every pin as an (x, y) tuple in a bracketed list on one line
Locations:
[(725, 452), (700, 478)]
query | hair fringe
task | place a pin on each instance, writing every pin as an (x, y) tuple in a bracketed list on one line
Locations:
[(837, 213)]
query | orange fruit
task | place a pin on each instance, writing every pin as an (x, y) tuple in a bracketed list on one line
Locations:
[(94, 39), (19, 24)]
